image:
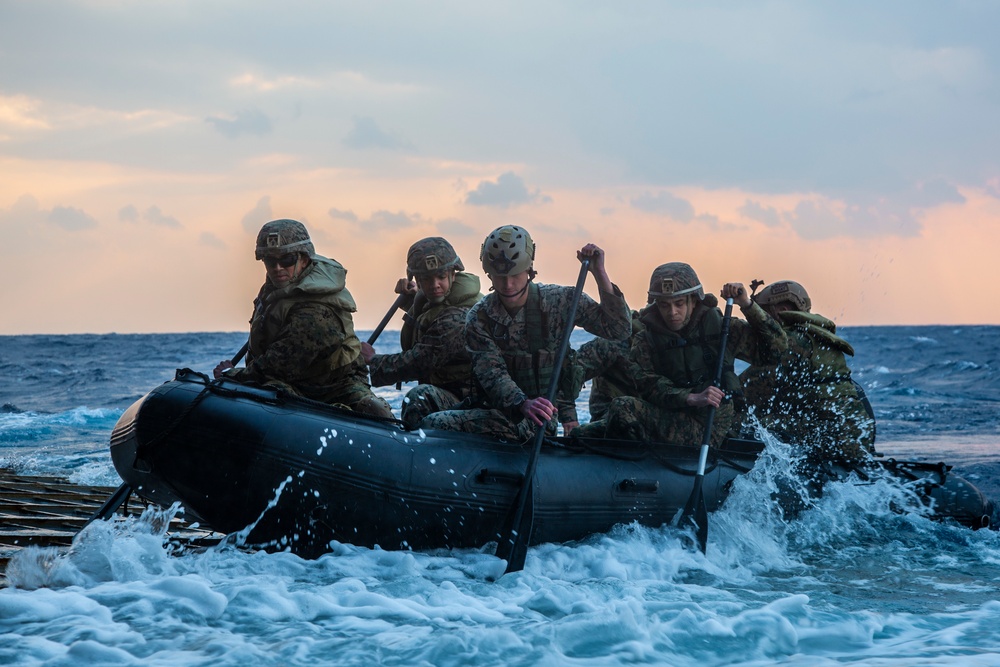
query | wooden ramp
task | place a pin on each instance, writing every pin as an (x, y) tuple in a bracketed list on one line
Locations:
[(49, 511)]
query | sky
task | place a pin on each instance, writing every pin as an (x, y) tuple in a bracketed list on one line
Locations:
[(851, 146)]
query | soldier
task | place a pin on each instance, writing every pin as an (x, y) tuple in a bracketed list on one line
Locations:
[(302, 334), (514, 335), (433, 333), (809, 397), (672, 363)]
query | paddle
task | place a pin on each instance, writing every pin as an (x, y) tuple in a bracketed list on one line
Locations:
[(695, 513), (385, 320), (513, 544)]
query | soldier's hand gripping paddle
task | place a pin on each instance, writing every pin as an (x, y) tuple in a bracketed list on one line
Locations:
[(695, 514), (513, 543)]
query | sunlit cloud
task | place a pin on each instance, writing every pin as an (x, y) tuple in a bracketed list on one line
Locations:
[(367, 134), (255, 218), (248, 121), (341, 82), (21, 112), (664, 203), (71, 218), (767, 215), (508, 190), (210, 240)]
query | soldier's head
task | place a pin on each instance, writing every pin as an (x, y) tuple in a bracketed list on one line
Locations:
[(675, 289), (433, 262), (508, 257), (782, 296), (284, 247)]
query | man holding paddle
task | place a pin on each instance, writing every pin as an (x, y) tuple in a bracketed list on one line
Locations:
[(514, 334), (672, 362), (438, 294), (302, 336)]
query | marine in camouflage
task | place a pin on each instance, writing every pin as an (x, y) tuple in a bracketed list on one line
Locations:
[(433, 353), (808, 398), (666, 367), (491, 330), (302, 336)]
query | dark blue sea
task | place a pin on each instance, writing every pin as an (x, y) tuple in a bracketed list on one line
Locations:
[(851, 581)]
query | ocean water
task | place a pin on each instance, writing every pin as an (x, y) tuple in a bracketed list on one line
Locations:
[(862, 578)]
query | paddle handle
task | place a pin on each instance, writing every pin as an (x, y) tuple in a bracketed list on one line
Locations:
[(385, 320)]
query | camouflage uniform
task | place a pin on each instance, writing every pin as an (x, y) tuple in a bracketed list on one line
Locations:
[(434, 353), (499, 343), (809, 397), (667, 366), (302, 335), (605, 362)]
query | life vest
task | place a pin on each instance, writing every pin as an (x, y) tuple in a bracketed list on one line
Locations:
[(532, 370), (689, 357), (321, 283), (818, 345)]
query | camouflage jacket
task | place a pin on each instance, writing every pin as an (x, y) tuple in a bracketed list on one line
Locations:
[(812, 371), (433, 342), (302, 335), (668, 366), (489, 325)]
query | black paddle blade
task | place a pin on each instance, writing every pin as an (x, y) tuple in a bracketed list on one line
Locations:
[(695, 514), (513, 543)]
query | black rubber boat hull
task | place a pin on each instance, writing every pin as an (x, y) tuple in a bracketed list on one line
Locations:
[(295, 474)]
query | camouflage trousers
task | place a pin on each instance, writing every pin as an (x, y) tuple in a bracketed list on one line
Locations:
[(604, 362), (423, 400), (486, 421), (632, 418)]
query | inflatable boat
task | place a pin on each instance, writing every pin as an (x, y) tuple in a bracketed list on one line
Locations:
[(289, 473)]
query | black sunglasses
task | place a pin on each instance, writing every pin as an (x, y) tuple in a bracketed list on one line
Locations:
[(285, 261)]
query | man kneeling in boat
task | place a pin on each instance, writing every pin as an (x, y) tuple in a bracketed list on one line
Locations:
[(672, 362), (302, 336), (514, 334), (809, 398), (433, 333)]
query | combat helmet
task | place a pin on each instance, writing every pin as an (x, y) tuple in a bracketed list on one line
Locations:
[(507, 251), (784, 290), (674, 279), (280, 237), (431, 255)]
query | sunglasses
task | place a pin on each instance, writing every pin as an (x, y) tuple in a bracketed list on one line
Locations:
[(285, 261)]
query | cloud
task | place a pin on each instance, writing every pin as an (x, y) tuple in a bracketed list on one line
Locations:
[(367, 134), (387, 220), (664, 203), (382, 220), (450, 227), (756, 211), (249, 121), (212, 241), (155, 216), (128, 213), (70, 218), (152, 215), (936, 192), (508, 190), (817, 220), (337, 214), (258, 215)]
